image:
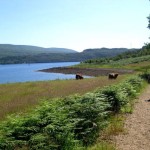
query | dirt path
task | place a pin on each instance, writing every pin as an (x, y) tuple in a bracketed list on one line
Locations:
[(137, 136)]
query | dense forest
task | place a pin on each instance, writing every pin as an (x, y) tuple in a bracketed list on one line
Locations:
[(15, 54)]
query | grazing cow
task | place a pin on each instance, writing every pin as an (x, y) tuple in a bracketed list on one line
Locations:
[(79, 76), (113, 75)]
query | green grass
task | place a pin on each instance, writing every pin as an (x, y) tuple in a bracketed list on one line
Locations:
[(141, 66), (18, 97), (115, 127), (102, 146), (129, 63)]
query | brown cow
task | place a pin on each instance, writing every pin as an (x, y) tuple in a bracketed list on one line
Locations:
[(79, 76), (113, 75)]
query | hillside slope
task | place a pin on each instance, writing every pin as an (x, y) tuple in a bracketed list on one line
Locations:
[(124, 58), (21, 50), (11, 54)]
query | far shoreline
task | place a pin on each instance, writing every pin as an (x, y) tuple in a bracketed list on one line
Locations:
[(86, 71)]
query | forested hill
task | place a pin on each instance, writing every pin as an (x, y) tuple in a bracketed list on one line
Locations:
[(144, 51), (12, 54), (20, 50), (128, 57), (107, 52)]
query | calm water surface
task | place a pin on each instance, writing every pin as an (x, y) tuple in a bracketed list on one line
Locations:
[(28, 72)]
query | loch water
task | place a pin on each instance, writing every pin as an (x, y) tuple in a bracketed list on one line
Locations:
[(12, 73)]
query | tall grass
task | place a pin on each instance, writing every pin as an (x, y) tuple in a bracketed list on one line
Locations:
[(102, 146), (21, 96)]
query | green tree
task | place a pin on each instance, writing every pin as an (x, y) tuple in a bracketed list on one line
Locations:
[(148, 21)]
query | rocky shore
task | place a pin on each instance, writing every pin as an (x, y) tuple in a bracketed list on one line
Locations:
[(86, 71)]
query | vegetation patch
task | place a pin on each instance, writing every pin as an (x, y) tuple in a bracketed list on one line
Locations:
[(19, 97), (69, 123), (137, 60)]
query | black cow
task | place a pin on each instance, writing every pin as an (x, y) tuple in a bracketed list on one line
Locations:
[(113, 75), (79, 77)]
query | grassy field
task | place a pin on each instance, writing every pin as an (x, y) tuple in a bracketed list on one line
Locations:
[(138, 66), (19, 97)]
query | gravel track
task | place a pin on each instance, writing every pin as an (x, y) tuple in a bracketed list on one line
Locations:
[(137, 126)]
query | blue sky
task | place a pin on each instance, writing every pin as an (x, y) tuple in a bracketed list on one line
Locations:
[(75, 24)]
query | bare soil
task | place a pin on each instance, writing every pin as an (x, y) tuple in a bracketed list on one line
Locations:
[(137, 126), (86, 71)]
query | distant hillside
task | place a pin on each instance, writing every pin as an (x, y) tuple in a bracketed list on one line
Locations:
[(106, 52), (145, 50), (128, 57), (10, 54), (21, 50)]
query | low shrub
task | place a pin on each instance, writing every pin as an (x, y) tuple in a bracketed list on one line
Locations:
[(90, 112), (146, 75)]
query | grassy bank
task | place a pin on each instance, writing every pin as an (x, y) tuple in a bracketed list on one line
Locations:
[(130, 63), (21, 96)]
